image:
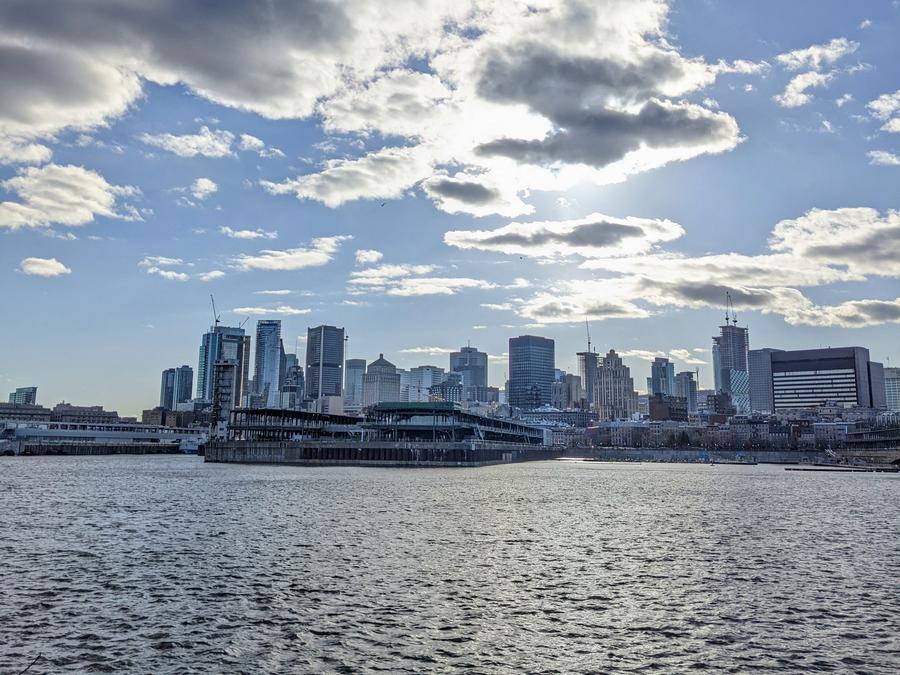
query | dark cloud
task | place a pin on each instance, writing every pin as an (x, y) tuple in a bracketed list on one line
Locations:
[(461, 190), (600, 137), (714, 294), (600, 234), (867, 312)]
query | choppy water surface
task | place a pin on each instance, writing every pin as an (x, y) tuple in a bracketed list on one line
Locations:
[(164, 564)]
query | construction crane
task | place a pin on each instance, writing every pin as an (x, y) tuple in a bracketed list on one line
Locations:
[(216, 316), (241, 324), (587, 327), (729, 308)]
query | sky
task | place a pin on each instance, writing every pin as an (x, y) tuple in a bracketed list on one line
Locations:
[(429, 174)]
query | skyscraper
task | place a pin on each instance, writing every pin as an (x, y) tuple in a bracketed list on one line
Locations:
[(730, 369), (228, 344), (588, 363), (531, 364), (686, 388), (810, 378), (267, 365), (354, 372), (471, 364), (324, 362), (759, 364), (176, 386), (662, 377), (614, 395), (422, 379)]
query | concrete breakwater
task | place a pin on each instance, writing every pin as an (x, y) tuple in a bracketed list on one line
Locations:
[(36, 449), (379, 453)]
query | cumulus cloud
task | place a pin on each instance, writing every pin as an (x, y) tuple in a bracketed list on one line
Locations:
[(464, 193), (278, 310), (434, 351), (885, 105), (883, 158), (280, 291), (795, 93), (816, 56), (319, 252), (405, 280), (368, 256), (203, 188), (160, 261), (171, 275), (206, 143), (596, 235), (63, 195), (254, 144), (212, 275), (43, 267), (686, 357), (258, 233)]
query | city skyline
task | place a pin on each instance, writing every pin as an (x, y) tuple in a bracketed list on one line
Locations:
[(147, 183)]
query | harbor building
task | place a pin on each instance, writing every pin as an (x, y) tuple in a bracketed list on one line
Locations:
[(532, 362), (324, 362), (24, 396)]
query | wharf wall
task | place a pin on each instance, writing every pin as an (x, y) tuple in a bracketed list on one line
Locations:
[(25, 448), (862, 457), (388, 453)]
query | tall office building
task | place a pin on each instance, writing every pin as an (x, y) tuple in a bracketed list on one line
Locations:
[(877, 386), (381, 382), (267, 364), (614, 394), (324, 362), (730, 368), (588, 363), (759, 364), (354, 372), (223, 343), (472, 365), (892, 388), (24, 396), (176, 386), (810, 378), (662, 377), (531, 364), (686, 388)]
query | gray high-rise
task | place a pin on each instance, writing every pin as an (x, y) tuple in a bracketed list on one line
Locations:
[(662, 377), (176, 386), (223, 343), (532, 360), (324, 362), (588, 365), (354, 372), (730, 369), (759, 363), (267, 365), (472, 365)]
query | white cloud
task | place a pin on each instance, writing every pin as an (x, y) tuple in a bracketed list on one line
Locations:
[(843, 100), (685, 356), (211, 275), (203, 188), (171, 275), (320, 252), (43, 267), (160, 261), (795, 93), (885, 105), (368, 256), (278, 310), (475, 195), (281, 291), (816, 56), (64, 195), (409, 280), (883, 158), (892, 126), (254, 144), (865, 23), (248, 234), (434, 351), (206, 143)]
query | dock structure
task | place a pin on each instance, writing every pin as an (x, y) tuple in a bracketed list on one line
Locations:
[(391, 434)]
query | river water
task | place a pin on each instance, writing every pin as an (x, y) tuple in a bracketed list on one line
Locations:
[(166, 564)]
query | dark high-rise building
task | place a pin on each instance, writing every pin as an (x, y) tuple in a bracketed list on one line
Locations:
[(472, 365), (531, 364), (176, 386), (686, 388), (588, 364), (267, 364), (223, 343), (662, 377), (730, 368), (324, 362), (810, 378)]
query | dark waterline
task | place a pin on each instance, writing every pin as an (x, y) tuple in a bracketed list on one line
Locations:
[(165, 564)]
